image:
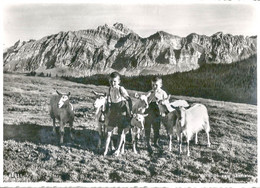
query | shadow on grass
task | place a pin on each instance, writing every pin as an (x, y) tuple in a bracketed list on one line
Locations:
[(85, 139)]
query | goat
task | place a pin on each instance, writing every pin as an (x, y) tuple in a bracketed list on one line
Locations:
[(139, 106), (100, 107), (169, 115), (192, 121), (62, 109), (137, 123)]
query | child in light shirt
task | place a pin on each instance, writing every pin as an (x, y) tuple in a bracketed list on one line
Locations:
[(153, 118)]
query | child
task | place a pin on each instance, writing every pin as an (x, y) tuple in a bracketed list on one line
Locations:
[(153, 118), (119, 102)]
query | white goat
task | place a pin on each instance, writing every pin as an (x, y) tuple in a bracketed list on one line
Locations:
[(100, 107), (141, 105), (192, 121), (137, 123), (169, 115), (62, 109)]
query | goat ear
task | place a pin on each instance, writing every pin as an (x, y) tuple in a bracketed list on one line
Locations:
[(58, 92), (94, 92), (169, 96), (137, 95)]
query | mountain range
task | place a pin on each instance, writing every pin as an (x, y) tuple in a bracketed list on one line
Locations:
[(110, 48)]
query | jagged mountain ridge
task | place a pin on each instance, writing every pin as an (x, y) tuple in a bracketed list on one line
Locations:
[(106, 49)]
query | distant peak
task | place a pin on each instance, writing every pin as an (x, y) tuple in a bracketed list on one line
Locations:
[(218, 34), (102, 27), (193, 34), (162, 34), (121, 27), (118, 25), (19, 43)]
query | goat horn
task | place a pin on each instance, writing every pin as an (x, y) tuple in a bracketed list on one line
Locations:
[(58, 92), (96, 93)]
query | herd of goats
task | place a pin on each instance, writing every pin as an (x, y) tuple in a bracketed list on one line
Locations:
[(188, 120)]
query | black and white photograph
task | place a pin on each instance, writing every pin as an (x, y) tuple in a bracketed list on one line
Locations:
[(134, 93)]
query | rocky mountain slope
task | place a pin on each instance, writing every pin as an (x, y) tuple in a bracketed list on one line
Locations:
[(116, 47)]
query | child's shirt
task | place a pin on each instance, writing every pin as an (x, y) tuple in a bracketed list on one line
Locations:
[(157, 95), (117, 94)]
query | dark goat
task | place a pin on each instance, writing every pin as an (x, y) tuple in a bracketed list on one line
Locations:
[(62, 109)]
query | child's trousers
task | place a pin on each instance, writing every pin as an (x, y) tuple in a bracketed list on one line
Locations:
[(154, 119)]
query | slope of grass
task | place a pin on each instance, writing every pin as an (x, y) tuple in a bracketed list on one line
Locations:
[(234, 82), (31, 152)]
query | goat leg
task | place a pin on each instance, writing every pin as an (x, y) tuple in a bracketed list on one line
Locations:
[(208, 139), (61, 132), (196, 138), (134, 142), (170, 142), (54, 126), (188, 147), (180, 143), (71, 125)]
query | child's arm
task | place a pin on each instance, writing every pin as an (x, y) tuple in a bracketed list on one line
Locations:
[(108, 96), (124, 93)]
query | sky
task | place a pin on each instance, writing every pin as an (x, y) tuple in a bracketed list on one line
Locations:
[(25, 21)]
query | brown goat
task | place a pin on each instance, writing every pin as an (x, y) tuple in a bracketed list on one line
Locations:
[(62, 109)]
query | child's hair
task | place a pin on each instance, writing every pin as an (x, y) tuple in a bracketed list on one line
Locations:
[(114, 75), (157, 78)]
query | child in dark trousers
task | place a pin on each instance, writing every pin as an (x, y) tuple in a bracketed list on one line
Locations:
[(153, 118), (119, 102), (119, 105)]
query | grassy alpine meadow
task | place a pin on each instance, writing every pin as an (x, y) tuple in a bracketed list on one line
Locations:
[(32, 153)]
